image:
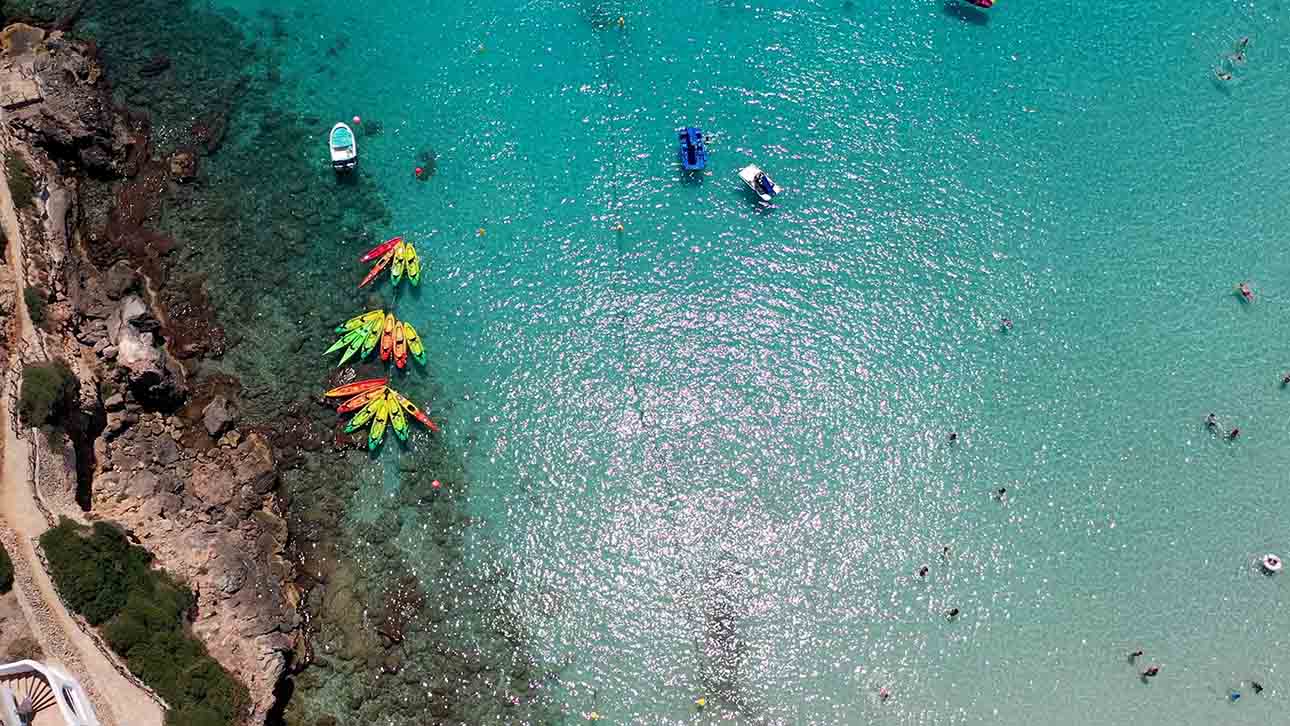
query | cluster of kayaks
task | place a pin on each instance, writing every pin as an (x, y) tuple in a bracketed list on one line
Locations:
[(399, 256), (373, 402), (361, 334)]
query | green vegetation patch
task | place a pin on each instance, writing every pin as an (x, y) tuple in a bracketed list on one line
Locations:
[(47, 390), (143, 615), (36, 304), (22, 185), (6, 571)]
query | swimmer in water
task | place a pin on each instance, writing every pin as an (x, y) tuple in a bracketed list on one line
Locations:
[(1222, 75), (1246, 293), (1258, 687), (922, 571), (1151, 672), (945, 552), (1002, 494), (1135, 655), (1285, 380), (1005, 324), (954, 437), (884, 693), (1211, 422), (1231, 435), (952, 613)]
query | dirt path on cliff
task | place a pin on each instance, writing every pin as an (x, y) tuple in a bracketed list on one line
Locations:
[(117, 700)]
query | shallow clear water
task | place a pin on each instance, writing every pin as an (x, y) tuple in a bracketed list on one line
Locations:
[(733, 419)]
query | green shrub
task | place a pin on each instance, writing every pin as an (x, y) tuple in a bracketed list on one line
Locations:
[(143, 613), (36, 304), (6, 571), (22, 186), (47, 389)]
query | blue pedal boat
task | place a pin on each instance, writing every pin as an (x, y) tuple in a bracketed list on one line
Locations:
[(694, 155)]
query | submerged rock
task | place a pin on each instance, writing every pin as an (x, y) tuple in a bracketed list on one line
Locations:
[(183, 165)]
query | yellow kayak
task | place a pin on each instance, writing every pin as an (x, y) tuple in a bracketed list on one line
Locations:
[(377, 433)]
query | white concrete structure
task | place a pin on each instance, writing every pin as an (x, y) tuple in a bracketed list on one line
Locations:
[(34, 694)]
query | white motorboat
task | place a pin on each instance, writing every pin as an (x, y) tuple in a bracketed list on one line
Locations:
[(758, 181), (344, 147)]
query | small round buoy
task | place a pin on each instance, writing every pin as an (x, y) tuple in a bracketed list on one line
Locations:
[(419, 171), (358, 120), (434, 484), (1271, 564)]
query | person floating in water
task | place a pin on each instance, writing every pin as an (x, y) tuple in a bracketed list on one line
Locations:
[(1211, 422), (1258, 687), (1151, 672), (1002, 494), (884, 693), (945, 552), (1005, 324), (1285, 379), (1231, 435), (1222, 75), (1135, 655), (1246, 293), (952, 613), (922, 571), (954, 437)]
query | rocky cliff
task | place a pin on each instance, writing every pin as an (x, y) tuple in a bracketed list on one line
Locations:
[(153, 450)]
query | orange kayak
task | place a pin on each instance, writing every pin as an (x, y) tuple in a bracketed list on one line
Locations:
[(380, 265), (414, 412), (361, 400), (380, 249), (387, 337), (357, 387), (400, 346)]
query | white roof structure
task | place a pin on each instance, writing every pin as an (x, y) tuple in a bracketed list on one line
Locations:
[(34, 694)]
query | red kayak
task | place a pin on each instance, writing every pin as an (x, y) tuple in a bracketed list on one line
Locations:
[(357, 387), (387, 337), (400, 346), (380, 265), (380, 249), (360, 400)]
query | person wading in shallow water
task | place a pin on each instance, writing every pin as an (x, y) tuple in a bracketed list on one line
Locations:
[(1151, 672)]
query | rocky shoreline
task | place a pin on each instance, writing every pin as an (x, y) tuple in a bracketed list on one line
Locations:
[(204, 503), (213, 454)]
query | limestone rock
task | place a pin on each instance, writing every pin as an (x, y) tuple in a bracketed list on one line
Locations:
[(52, 90), (153, 379), (119, 279), (235, 561), (218, 416), (20, 39)]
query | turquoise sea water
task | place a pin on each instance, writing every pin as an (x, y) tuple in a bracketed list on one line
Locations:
[(711, 449)]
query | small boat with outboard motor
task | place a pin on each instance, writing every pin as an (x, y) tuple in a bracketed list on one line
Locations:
[(344, 148)]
